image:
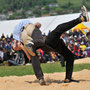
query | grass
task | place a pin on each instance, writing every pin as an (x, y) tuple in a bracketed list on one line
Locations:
[(47, 68)]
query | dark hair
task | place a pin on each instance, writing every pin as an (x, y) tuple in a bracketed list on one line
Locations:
[(88, 33), (1, 49)]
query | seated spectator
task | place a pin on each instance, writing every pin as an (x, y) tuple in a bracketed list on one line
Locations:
[(82, 46), (82, 50), (1, 55), (88, 36), (88, 44), (41, 55), (1, 45), (76, 51), (88, 51), (14, 58), (54, 57), (48, 57), (82, 53), (7, 46)]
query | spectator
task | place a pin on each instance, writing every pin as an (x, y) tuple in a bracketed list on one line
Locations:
[(76, 50), (1, 55), (88, 44), (3, 37), (11, 37), (7, 39)]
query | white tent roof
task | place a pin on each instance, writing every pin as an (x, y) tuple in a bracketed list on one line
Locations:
[(48, 23)]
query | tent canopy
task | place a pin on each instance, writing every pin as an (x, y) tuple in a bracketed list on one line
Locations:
[(48, 23)]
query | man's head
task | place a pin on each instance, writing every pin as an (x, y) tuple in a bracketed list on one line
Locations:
[(16, 45), (88, 36), (37, 24), (63, 35)]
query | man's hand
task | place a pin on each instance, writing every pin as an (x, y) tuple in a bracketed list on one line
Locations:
[(19, 46)]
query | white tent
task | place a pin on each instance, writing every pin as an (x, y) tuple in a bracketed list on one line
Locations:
[(48, 23)]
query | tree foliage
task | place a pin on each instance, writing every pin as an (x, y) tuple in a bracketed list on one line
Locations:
[(13, 5), (40, 7)]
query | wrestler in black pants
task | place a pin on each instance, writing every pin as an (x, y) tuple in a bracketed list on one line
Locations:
[(53, 41)]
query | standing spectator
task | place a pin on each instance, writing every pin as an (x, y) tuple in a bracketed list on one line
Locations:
[(7, 39), (11, 37)]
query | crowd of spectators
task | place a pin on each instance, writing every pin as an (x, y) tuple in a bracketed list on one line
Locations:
[(76, 41)]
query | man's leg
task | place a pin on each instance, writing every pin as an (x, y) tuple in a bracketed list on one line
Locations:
[(62, 61), (68, 25), (68, 56), (53, 40), (53, 37), (37, 69), (36, 66), (31, 48)]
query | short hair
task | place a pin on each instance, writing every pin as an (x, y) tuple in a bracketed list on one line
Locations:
[(88, 33)]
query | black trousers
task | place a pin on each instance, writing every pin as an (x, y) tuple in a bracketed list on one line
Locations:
[(54, 43), (53, 40)]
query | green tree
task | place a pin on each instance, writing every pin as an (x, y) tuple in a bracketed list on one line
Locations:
[(37, 12)]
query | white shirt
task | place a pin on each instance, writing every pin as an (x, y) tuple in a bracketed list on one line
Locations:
[(18, 29), (1, 54)]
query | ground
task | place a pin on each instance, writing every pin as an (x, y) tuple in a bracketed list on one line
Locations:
[(54, 81)]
